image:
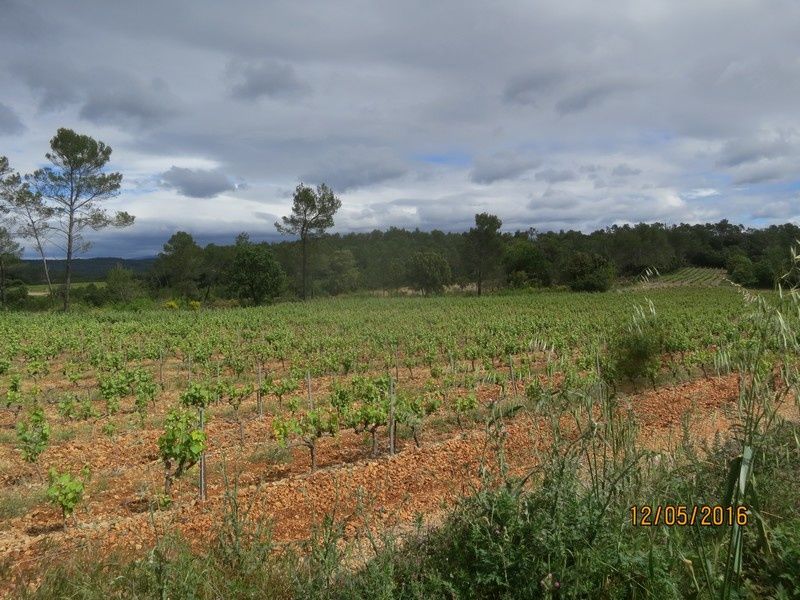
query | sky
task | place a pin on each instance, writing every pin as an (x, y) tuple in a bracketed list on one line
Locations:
[(569, 114)]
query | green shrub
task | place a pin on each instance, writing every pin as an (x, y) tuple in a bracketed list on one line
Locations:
[(180, 446), (635, 351), (66, 491), (33, 435), (589, 273)]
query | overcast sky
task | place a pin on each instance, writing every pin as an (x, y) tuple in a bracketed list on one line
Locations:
[(561, 114)]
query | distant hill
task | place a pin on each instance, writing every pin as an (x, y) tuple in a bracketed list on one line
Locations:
[(83, 269)]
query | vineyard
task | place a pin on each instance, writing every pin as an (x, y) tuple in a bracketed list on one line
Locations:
[(689, 276), (119, 428)]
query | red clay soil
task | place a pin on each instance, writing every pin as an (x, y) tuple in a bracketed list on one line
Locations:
[(390, 490)]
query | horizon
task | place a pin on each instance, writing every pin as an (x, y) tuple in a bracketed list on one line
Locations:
[(204, 240)]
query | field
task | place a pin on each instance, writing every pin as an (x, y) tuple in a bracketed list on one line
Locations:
[(41, 289), (689, 276), (297, 400)]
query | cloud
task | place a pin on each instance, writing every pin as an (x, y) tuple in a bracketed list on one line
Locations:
[(530, 88), (446, 107), (776, 210), (762, 172), (355, 167), (23, 23), (55, 85), (265, 78), (9, 121), (701, 193), (133, 103), (624, 170), (497, 167), (104, 96), (556, 176), (589, 96), (741, 151), (197, 183)]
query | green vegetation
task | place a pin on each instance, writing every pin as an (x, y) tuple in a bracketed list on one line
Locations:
[(562, 530), (692, 276), (33, 434), (66, 491), (589, 273), (180, 446)]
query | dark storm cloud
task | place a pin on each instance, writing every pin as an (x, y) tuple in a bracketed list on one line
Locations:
[(679, 97), (104, 96), (148, 239), (254, 80), (197, 183), (9, 121), (497, 167), (132, 102), (55, 85)]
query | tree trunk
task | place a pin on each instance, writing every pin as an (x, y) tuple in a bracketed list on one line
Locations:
[(68, 266), (2, 283), (40, 248), (304, 247), (480, 280), (167, 481), (374, 432), (312, 448)]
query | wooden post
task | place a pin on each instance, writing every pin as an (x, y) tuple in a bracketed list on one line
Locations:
[(161, 367), (259, 399), (308, 389), (202, 460)]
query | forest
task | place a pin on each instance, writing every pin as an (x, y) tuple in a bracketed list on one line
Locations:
[(394, 259)]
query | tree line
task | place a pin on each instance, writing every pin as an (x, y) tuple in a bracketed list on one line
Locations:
[(53, 206)]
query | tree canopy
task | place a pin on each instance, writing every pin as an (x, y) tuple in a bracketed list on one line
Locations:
[(312, 213), (74, 186)]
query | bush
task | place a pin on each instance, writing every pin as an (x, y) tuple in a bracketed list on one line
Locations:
[(66, 491), (742, 271), (428, 272), (33, 435), (180, 446), (634, 352), (589, 273), (122, 286)]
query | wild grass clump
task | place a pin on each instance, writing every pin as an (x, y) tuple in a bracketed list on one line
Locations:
[(634, 352)]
